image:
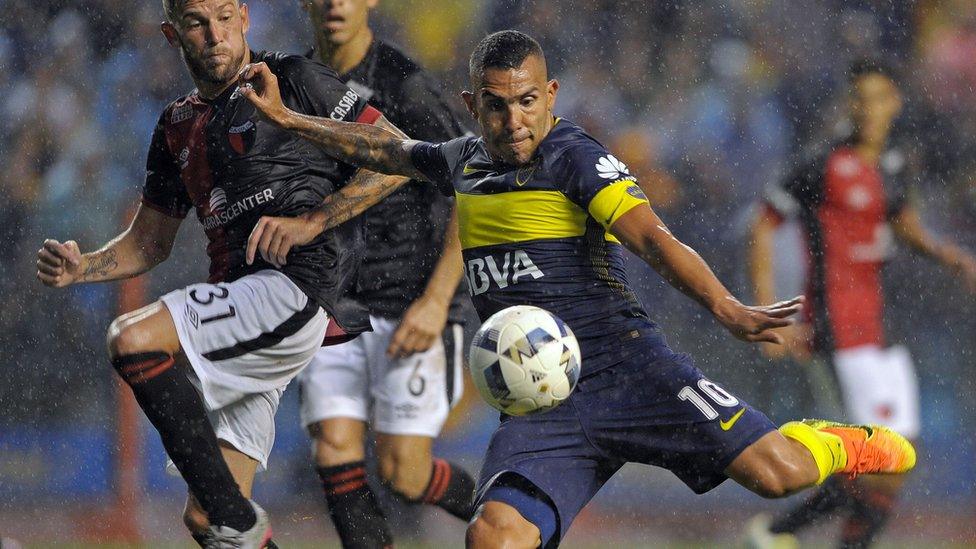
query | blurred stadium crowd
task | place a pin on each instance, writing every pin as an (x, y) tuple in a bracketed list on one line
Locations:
[(708, 101)]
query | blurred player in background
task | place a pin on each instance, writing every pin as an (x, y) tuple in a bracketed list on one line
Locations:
[(403, 377), (853, 200), (544, 213), (208, 363)]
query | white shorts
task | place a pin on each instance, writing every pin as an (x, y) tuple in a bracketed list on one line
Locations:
[(407, 396), (245, 341), (879, 386)]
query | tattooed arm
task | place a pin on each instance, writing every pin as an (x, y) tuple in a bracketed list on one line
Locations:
[(274, 237), (145, 244), (379, 147)]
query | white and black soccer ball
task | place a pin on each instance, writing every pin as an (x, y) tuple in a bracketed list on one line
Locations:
[(524, 360)]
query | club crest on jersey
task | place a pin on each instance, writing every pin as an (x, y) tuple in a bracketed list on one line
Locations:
[(504, 270), (608, 167), (241, 136)]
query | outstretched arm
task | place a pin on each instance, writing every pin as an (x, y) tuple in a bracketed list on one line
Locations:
[(908, 227), (425, 319), (643, 233), (146, 243), (379, 147)]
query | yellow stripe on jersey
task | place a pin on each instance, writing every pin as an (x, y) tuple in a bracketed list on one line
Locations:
[(615, 200), (517, 216)]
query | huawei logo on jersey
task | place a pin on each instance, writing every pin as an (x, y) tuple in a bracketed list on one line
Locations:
[(608, 167), (218, 200)]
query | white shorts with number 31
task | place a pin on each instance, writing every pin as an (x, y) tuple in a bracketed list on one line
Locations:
[(246, 340)]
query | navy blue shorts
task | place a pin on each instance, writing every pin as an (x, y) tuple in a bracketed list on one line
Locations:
[(645, 404)]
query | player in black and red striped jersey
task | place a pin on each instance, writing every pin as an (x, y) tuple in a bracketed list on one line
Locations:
[(853, 200), (402, 378), (208, 363)]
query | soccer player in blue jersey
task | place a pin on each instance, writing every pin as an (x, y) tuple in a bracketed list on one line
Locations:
[(544, 213)]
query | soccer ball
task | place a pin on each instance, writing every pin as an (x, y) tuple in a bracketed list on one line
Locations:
[(524, 360)]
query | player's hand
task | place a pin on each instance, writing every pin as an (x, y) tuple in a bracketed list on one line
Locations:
[(759, 323), (796, 344), (274, 237), (421, 325), (259, 85), (58, 264)]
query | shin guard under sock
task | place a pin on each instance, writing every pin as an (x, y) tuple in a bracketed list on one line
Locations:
[(355, 511), (450, 488), (175, 409)]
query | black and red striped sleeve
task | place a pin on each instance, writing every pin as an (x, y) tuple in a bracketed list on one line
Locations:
[(163, 190)]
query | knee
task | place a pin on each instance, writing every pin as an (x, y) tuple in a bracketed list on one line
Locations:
[(335, 446), (126, 338), (501, 526), (405, 472), (194, 517)]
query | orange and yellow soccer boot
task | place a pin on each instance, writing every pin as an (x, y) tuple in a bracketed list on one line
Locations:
[(870, 448)]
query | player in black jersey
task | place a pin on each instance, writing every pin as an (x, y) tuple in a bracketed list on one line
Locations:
[(544, 215), (208, 363), (404, 376)]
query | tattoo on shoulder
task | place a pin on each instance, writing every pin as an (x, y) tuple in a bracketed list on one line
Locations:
[(100, 265)]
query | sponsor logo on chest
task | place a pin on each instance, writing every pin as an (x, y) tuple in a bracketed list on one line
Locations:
[(499, 271), (181, 113), (222, 214)]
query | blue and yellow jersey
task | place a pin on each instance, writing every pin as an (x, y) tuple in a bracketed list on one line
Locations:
[(538, 234)]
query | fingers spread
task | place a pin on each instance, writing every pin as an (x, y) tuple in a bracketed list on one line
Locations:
[(782, 312), (279, 247), (267, 237), (768, 322), (253, 240)]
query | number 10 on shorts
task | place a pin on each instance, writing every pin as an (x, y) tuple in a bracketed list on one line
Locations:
[(713, 391)]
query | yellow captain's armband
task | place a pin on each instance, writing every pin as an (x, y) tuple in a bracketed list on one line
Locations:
[(615, 200)]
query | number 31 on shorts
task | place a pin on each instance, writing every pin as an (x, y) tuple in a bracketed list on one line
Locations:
[(719, 395), (213, 305)]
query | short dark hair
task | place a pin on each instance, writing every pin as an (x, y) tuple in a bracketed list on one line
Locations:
[(870, 65), (505, 49)]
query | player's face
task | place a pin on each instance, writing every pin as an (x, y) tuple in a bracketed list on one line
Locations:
[(875, 103), (210, 35), (514, 109), (339, 20)]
